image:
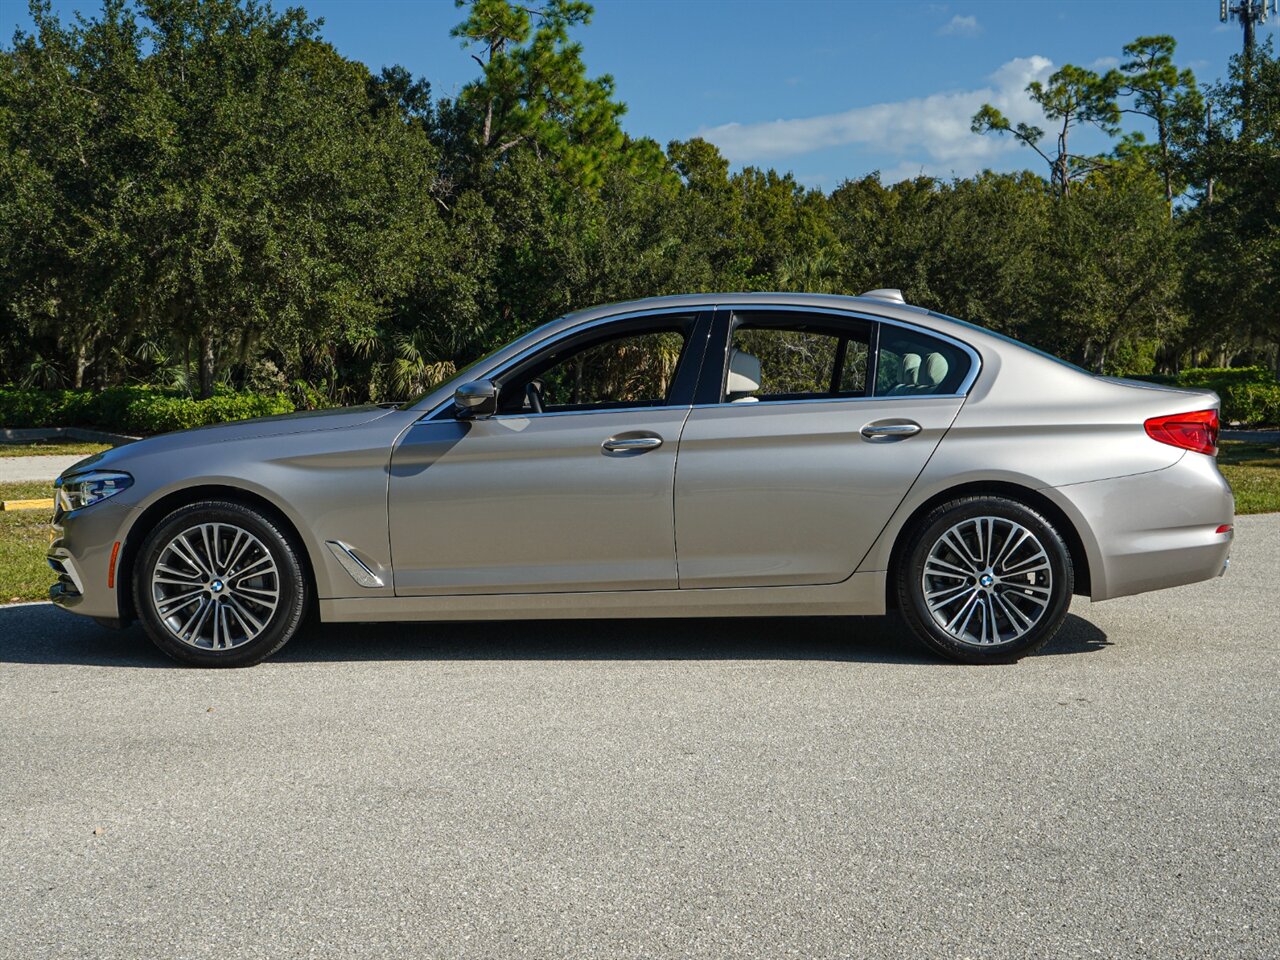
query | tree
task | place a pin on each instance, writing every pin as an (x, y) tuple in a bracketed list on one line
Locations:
[(72, 173), (1073, 97), (279, 185), (204, 192), (1166, 96), (533, 90), (1106, 267), (1233, 281)]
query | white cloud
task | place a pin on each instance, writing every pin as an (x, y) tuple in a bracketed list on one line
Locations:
[(1104, 63), (926, 132), (959, 26)]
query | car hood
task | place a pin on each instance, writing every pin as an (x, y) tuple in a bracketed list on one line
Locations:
[(304, 421)]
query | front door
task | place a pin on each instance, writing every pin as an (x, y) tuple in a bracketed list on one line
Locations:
[(569, 487)]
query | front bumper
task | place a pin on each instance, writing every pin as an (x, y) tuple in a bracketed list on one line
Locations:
[(81, 548), (1155, 530)]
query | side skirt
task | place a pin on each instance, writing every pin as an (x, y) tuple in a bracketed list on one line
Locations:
[(861, 595)]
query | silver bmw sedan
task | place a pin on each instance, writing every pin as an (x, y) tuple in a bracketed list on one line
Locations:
[(695, 456)]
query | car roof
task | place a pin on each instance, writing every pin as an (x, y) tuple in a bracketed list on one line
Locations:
[(873, 306), (876, 304)]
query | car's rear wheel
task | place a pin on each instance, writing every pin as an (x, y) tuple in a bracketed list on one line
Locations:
[(218, 584), (984, 580)]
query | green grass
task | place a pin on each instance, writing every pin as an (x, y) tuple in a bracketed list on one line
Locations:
[(24, 537), (51, 448), (1253, 470)]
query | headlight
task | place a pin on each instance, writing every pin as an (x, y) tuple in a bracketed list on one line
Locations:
[(88, 488)]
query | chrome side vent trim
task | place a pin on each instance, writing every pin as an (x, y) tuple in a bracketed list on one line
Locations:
[(358, 569)]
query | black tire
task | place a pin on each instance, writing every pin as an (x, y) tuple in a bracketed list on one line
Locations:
[(288, 580), (1017, 594)]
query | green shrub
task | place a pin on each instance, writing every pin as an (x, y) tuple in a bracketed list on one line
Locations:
[(136, 410), (1212, 376), (1250, 395), (1250, 403)]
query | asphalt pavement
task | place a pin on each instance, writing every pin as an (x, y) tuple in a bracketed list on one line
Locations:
[(755, 788)]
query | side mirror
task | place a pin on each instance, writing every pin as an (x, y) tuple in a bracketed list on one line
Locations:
[(479, 398)]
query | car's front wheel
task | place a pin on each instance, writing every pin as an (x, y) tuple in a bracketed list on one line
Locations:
[(984, 580), (218, 584)]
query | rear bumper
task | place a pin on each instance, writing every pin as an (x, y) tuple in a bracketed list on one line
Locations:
[(1154, 530)]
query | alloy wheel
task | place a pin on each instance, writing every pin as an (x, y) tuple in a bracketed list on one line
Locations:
[(987, 581), (215, 586)]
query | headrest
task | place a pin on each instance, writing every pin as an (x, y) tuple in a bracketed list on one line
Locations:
[(744, 374), (935, 369), (910, 368)]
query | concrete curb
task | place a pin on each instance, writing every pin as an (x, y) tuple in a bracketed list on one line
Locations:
[(1256, 436), (27, 434)]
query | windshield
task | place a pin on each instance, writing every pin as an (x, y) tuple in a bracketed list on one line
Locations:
[(462, 375)]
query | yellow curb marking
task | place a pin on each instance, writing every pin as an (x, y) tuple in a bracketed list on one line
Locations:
[(46, 504)]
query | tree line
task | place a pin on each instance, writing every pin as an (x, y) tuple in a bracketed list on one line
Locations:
[(196, 193)]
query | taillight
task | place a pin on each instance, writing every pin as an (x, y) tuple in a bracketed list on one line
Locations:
[(1196, 431)]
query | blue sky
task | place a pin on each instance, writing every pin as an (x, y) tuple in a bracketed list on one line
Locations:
[(829, 89)]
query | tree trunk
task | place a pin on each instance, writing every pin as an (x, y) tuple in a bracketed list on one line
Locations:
[(82, 363), (206, 365), (246, 350), (1164, 164)]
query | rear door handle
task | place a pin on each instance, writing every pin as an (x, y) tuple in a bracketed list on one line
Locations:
[(890, 430), (632, 444)]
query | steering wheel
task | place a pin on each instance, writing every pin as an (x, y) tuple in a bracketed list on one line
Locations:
[(534, 396)]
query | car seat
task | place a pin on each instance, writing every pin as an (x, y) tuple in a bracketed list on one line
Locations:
[(744, 377)]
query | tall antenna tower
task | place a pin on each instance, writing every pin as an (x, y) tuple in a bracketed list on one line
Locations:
[(1250, 13)]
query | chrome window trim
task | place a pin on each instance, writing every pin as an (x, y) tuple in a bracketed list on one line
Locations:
[(782, 403), (551, 339), (962, 390), (554, 338), (572, 413)]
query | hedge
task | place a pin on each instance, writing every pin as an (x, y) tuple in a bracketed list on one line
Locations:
[(1221, 376), (1250, 403), (1250, 395), (134, 410)]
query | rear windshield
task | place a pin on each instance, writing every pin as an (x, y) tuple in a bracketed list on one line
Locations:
[(1018, 343)]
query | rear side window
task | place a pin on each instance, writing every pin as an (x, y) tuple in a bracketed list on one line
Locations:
[(796, 358), (915, 364)]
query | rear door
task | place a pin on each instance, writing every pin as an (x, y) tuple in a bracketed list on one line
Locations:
[(809, 436)]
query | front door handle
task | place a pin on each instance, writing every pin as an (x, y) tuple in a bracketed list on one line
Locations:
[(632, 444), (883, 430)]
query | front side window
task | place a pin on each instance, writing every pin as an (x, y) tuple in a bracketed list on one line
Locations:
[(632, 369), (796, 359)]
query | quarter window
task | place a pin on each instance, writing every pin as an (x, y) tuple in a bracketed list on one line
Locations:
[(915, 364)]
